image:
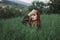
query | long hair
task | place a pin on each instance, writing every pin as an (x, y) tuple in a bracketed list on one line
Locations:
[(38, 19)]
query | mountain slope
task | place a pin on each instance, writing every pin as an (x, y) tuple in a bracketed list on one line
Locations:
[(15, 2), (19, 2)]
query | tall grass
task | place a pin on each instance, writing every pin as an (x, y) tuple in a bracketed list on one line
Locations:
[(13, 29)]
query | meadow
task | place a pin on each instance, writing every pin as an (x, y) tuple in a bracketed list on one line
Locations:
[(13, 29)]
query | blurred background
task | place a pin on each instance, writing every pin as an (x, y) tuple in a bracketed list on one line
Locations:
[(11, 7)]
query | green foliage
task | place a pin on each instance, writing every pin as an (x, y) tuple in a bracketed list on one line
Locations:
[(12, 29), (55, 6), (9, 12)]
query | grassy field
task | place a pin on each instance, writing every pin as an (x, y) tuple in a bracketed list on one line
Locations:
[(13, 29)]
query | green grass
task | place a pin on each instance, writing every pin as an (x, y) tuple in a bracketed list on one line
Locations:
[(13, 29)]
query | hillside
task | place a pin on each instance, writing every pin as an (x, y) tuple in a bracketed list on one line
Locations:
[(21, 4)]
